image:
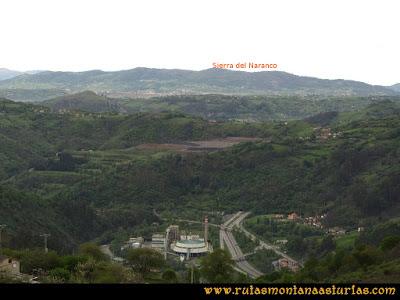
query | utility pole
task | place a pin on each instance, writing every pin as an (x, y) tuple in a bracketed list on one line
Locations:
[(45, 235), (2, 226), (192, 274)]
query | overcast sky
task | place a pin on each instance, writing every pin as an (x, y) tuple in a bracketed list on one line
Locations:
[(349, 39)]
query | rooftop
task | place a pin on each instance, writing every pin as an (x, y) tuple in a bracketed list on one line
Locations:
[(191, 242)]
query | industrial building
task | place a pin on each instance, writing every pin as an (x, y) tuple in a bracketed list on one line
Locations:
[(133, 243), (189, 246), (158, 242), (186, 246)]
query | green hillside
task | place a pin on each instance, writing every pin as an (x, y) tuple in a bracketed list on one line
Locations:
[(80, 176), (85, 101), (144, 81), (31, 95), (217, 107)]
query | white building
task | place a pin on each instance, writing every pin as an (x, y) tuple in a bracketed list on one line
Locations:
[(190, 247), (133, 243), (158, 242)]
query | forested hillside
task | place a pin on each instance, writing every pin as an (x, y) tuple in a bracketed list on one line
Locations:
[(86, 170), (148, 82), (218, 107)]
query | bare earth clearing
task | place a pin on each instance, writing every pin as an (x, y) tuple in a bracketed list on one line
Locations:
[(194, 146)]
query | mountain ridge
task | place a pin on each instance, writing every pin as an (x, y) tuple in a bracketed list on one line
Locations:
[(8, 74), (395, 87), (152, 82)]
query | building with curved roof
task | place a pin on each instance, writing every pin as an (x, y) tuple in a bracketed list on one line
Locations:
[(190, 247)]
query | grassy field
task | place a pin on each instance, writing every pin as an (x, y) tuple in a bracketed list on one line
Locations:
[(346, 241)]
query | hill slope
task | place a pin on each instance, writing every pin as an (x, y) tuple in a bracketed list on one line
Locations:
[(144, 81), (87, 170), (7, 74), (85, 101), (396, 87), (216, 106)]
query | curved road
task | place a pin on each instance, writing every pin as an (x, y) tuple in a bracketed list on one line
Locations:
[(267, 246), (227, 238)]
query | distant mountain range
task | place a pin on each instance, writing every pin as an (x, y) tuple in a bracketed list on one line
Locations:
[(396, 87), (144, 82), (8, 74)]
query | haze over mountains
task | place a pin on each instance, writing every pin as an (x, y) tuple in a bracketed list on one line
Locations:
[(396, 87), (142, 82), (8, 74)]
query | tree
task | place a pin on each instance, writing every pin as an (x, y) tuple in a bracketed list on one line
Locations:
[(390, 242), (60, 275), (92, 250), (367, 255), (67, 162), (327, 245), (92, 271), (70, 262), (217, 267), (144, 260), (112, 273), (169, 276), (85, 271), (39, 260), (297, 245)]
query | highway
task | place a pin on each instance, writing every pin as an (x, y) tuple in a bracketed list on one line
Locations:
[(107, 251), (238, 222), (227, 238)]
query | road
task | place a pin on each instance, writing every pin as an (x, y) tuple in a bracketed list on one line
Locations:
[(227, 238), (239, 224), (106, 250)]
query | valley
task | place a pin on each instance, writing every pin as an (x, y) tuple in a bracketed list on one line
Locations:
[(85, 176), (158, 148)]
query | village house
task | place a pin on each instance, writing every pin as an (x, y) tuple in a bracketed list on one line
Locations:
[(133, 243), (325, 133), (284, 263), (336, 231), (315, 221), (293, 216), (277, 216), (281, 242)]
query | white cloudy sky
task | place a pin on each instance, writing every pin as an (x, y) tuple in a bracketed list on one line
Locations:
[(350, 39)]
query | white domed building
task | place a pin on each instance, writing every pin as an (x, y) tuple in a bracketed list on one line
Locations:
[(189, 246)]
